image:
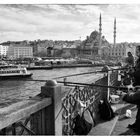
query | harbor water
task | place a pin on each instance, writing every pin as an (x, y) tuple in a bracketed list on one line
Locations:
[(12, 91)]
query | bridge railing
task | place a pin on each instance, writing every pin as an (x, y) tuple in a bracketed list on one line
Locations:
[(90, 95), (52, 111), (33, 116)]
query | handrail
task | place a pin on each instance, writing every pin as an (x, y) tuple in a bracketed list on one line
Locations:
[(93, 85), (47, 103), (20, 110)]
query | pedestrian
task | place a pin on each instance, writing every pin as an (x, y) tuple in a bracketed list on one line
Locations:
[(134, 98), (129, 60), (127, 77)]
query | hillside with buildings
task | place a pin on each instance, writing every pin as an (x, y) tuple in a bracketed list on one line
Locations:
[(41, 48), (88, 48), (95, 47)]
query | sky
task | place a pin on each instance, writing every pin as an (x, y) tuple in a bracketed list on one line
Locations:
[(68, 21)]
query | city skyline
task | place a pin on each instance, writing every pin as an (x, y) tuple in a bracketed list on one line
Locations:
[(68, 22)]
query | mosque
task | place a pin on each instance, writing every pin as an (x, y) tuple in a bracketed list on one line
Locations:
[(96, 46)]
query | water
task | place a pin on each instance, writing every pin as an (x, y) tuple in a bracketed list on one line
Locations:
[(14, 91)]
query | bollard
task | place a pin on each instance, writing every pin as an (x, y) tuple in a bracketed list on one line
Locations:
[(43, 122)]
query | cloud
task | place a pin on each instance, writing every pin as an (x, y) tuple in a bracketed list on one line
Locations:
[(30, 21)]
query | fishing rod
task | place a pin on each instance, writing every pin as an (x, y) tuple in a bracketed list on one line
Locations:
[(85, 84), (99, 71), (95, 85), (78, 84)]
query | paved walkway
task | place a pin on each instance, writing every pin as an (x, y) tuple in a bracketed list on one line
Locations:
[(118, 125), (122, 123)]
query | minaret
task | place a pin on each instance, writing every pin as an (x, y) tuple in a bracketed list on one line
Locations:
[(100, 31), (114, 32)]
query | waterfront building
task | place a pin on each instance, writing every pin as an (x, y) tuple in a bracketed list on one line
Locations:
[(20, 50), (70, 51), (63, 48), (3, 50), (120, 50), (33, 44)]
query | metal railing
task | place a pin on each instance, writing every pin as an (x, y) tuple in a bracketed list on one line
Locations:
[(17, 119), (90, 96), (37, 116)]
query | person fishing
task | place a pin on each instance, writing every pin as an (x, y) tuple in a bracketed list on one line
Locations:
[(129, 60), (127, 78), (134, 97)]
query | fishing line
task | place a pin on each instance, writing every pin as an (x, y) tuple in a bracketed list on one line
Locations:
[(95, 72)]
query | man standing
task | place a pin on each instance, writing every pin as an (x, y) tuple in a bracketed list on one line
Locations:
[(130, 60)]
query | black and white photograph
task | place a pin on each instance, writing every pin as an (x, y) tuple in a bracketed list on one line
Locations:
[(69, 68)]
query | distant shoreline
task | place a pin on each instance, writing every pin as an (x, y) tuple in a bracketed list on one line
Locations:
[(63, 66)]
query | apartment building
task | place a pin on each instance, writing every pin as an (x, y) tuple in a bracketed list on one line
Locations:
[(120, 50), (20, 51), (3, 50)]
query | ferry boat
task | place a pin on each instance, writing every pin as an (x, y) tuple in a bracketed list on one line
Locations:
[(13, 71)]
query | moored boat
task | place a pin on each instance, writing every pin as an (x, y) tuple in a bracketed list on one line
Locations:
[(13, 71)]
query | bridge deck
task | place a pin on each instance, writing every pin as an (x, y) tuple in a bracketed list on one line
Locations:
[(118, 125)]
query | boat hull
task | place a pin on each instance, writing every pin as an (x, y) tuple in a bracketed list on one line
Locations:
[(6, 77)]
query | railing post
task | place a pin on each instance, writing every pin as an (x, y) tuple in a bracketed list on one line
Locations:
[(43, 122), (108, 72), (65, 80)]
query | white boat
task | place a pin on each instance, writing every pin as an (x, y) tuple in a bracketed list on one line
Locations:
[(13, 71)]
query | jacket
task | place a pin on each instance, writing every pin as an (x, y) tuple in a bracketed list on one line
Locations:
[(136, 73), (133, 98)]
